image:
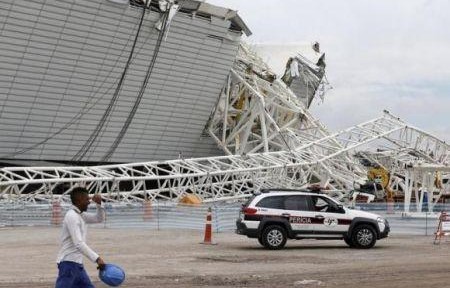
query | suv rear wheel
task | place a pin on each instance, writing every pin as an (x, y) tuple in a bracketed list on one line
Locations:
[(364, 237), (274, 237)]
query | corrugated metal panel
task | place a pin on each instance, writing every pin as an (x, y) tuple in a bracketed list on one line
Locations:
[(61, 62), (305, 88)]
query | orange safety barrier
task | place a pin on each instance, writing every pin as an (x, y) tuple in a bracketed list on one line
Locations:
[(208, 229), (56, 213), (443, 228), (148, 213)]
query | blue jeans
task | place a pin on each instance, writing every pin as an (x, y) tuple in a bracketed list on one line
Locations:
[(72, 275)]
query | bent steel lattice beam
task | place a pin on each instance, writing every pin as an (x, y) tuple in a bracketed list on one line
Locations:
[(271, 139), (211, 177)]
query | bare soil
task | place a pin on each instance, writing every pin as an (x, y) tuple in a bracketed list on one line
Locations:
[(174, 258)]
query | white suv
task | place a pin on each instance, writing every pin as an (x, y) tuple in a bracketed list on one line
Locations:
[(278, 214)]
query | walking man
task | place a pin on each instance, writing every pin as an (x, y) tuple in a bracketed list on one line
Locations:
[(73, 241)]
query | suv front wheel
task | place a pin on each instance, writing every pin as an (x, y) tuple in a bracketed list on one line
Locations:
[(364, 237), (274, 237)]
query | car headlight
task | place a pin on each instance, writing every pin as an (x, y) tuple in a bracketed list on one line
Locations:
[(381, 220)]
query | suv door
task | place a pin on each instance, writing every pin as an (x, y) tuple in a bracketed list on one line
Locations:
[(297, 210), (329, 218)]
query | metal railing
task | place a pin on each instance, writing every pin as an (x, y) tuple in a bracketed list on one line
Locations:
[(171, 216)]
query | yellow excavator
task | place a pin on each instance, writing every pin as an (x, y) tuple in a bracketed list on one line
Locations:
[(381, 175), (378, 179)]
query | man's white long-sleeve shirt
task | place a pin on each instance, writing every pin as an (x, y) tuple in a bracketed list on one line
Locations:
[(73, 237)]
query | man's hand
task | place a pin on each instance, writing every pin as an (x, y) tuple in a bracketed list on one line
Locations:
[(100, 263), (97, 199)]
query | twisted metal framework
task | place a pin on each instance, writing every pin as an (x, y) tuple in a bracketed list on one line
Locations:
[(271, 140), (426, 179), (418, 167), (414, 147), (258, 113), (211, 178)]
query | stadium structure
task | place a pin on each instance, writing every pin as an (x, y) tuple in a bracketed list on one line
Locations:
[(154, 100)]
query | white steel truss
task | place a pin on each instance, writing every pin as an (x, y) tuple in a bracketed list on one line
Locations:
[(425, 183), (271, 140), (413, 147), (257, 112), (211, 178)]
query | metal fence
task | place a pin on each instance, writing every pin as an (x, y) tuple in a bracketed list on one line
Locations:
[(169, 216)]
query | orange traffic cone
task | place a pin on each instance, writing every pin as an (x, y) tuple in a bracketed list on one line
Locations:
[(208, 229), (56, 213), (147, 210)]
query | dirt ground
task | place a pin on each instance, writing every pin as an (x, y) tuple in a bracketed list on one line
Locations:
[(174, 258)]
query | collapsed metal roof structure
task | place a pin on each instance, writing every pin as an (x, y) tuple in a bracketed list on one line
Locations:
[(260, 121)]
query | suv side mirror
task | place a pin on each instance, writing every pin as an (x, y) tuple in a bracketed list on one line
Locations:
[(340, 208)]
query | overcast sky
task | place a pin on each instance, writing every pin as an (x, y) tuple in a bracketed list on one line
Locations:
[(381, 54)]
